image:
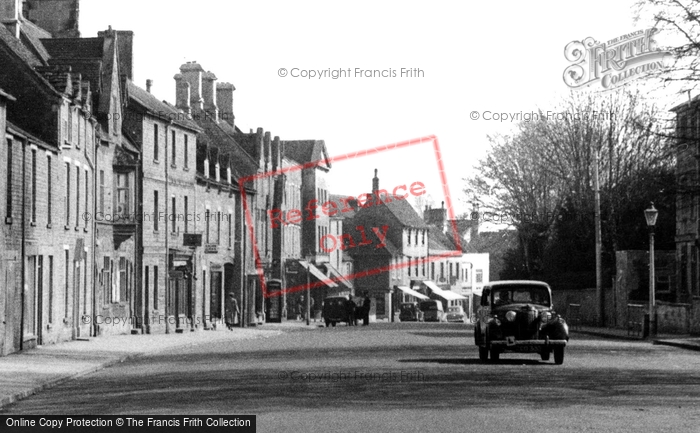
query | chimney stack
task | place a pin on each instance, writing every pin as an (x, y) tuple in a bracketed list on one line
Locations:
[(9, 15), (191, 73), (224, 100), (209, 95), (182, 94), (375, 182), (149, 83)]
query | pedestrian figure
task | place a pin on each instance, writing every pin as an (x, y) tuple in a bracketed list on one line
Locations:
[(300, 307), (365, 310), (232, 311), (350, 306)]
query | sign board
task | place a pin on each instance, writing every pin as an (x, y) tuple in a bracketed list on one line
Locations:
[(191, 239), (210, 249)]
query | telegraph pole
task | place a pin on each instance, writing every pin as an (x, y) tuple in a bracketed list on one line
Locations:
[(600, 307)]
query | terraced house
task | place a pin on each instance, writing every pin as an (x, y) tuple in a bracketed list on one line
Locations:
[(48, 150)]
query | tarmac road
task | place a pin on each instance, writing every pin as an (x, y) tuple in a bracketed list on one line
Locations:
[(397, 377)]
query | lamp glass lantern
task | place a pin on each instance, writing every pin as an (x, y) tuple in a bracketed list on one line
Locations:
[(651, 214)]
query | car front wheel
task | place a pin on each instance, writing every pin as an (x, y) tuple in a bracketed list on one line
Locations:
[(545, 355), (559, 355), (495, 354)]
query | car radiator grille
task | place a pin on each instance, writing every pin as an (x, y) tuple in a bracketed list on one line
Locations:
[(524, 327)]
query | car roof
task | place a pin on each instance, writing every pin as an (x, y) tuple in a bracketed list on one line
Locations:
[(518, 282)]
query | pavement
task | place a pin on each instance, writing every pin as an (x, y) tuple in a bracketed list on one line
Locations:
[(684, 341), (28, 372)]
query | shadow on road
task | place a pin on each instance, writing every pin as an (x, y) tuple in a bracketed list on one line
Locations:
[(474, 361)]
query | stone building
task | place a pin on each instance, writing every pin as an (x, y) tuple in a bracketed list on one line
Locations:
[(49, 151)]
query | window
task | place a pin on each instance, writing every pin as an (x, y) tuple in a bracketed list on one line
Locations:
[(77, 197), (70, 127), (50, 289), (87, 199), (106, 280), (206, 221), (174, 214), (408, 242), (67, 196), (409, 266), (174, 148), (67, 272), (155, 142), (423, 271), (155, 287), (230, 227), (49, 185), (8, 191), (102, 192), (186, 211), (186, 149), (479, 276), (147, 291), (416, 238), (121, 294), (80, 131), (218, 228), (33, 204), (155, 211)]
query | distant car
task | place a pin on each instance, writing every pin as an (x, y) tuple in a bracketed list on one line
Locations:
[(432, 311), (518, 316), (410, 312), (456, 314), (335, 310)]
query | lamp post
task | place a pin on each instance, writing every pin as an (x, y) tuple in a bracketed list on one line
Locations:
[(651, 214)]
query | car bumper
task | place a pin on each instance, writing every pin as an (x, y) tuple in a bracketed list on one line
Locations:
[(526, 346)]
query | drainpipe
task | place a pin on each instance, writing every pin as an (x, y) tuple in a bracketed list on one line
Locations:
[(167, 234), (25, 143)]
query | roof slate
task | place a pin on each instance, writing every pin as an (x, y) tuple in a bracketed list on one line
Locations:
[(74, 48), (18, 48), (160, 108), (305, 151)]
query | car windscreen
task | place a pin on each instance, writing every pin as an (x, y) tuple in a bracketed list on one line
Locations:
[(520, 294), (428, 306)]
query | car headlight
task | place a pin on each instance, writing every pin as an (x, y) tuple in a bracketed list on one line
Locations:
[(510, 316), (496, 321), (546, 316)]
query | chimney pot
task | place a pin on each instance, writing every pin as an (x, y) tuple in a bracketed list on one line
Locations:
[(149, 83), (443, 205)]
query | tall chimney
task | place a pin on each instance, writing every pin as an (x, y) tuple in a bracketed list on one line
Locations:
[(224, 100), (192, 74), (209, 95), (375, 182), (58, 17), (10, 11), (149, 83), (182, 94)]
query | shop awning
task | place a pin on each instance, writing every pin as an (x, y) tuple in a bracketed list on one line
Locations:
[(333, 273), (445, 294), (412, 292), (316, 272)]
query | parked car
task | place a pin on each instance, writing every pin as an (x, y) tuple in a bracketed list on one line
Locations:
[(432, 311), (456, 314), (518, 316), (410, 312), (335, 310)]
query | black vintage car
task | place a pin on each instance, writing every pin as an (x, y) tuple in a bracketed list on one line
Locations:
[(335, 309), (518, 316)]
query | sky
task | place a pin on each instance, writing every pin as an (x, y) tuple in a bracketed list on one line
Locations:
[(505, 56)]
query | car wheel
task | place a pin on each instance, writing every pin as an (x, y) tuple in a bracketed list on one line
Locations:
[(545, 354), (559, 355), (483, 353), (333, 324), (495, 354), (328, 323)]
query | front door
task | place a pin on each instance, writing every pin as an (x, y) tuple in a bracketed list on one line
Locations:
[(10, 337), (216, 296)]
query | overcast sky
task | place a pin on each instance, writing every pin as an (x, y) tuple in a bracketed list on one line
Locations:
[(505, 56)]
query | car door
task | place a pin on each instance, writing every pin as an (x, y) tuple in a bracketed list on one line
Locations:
[(484, 310)]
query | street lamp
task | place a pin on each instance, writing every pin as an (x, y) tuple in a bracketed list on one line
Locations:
[(651, 214)]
